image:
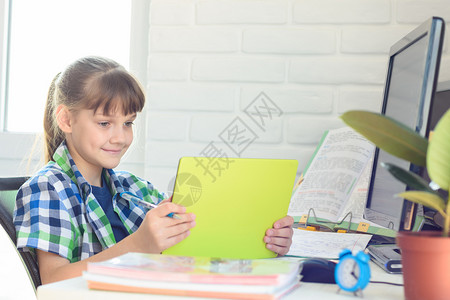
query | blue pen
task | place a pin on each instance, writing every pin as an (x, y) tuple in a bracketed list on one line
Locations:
[(138, 201)]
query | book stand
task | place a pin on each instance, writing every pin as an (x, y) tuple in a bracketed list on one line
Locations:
[(317, 220)]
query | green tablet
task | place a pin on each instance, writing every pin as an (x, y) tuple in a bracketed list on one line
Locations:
[(235, 201)]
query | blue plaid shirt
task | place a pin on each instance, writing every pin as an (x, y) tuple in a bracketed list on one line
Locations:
[(56, 211)]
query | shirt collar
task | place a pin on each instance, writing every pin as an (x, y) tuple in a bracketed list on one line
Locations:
[(63, 159)]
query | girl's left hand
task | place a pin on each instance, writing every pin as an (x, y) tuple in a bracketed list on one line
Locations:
[(279, 238)]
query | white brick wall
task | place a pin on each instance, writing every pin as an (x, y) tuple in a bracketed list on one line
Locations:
[(371, 40), (342, 12), (187, 39), (338, 70), (191, 97), (227, 12), (287, 40), (412, 11), (315, 59), (239, 69)]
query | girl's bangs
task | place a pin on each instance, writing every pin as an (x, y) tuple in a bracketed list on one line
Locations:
[(115, 90)]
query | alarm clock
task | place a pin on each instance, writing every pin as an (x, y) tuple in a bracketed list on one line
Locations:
[(352, 272)]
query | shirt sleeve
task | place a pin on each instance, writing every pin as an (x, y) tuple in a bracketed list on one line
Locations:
[(142, 188), (41, 220), (154, 195)]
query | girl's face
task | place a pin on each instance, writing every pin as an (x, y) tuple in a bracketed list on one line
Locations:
[(99, 141)]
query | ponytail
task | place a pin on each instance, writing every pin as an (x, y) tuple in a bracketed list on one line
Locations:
[(53, 136)]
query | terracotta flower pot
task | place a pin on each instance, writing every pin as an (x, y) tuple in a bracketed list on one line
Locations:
[(426, 265)]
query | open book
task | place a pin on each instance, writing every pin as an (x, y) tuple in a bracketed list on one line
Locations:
[(195, 276), (334, 186)]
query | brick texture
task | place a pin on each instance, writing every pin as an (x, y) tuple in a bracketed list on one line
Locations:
[(299, 63)]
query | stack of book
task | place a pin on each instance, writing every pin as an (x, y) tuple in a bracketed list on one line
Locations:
[(195, 276)]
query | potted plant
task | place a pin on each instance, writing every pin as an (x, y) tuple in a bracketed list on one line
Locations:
[(425, 254)]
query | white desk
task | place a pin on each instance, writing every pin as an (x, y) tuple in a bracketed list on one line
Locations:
[(76, 289)]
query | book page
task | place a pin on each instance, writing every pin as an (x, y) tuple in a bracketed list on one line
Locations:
[(332, 175), (357, 200), (325, 244)]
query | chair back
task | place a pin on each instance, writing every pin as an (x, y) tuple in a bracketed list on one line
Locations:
[(8, 192)]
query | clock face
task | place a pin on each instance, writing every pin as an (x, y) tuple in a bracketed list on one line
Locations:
[(348, 273)]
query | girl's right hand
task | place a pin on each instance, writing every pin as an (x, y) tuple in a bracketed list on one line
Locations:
[(159, 232)]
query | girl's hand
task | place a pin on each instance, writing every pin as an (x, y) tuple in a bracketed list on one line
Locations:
[(279, 238), (159, 232), (167, 200)]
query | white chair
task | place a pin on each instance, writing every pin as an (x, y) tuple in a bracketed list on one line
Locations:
[(19, 272), (15, 282)]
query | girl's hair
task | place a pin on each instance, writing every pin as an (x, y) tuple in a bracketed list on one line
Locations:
[(89, 83)]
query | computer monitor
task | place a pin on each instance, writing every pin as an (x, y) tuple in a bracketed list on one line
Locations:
[(408, 97), (441, 103)]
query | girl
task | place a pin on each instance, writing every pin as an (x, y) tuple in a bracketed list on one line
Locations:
[(71, 211)]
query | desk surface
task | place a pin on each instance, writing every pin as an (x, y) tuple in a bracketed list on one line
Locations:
[(77, 289)]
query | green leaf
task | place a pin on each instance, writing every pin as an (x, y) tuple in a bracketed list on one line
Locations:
[(389, 135), (414, 181), (427, 199), (438, 157)]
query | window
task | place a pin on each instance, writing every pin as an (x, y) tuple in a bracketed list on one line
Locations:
[(45, 36)]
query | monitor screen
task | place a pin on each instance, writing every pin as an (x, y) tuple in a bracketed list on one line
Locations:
[(408, 97)]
